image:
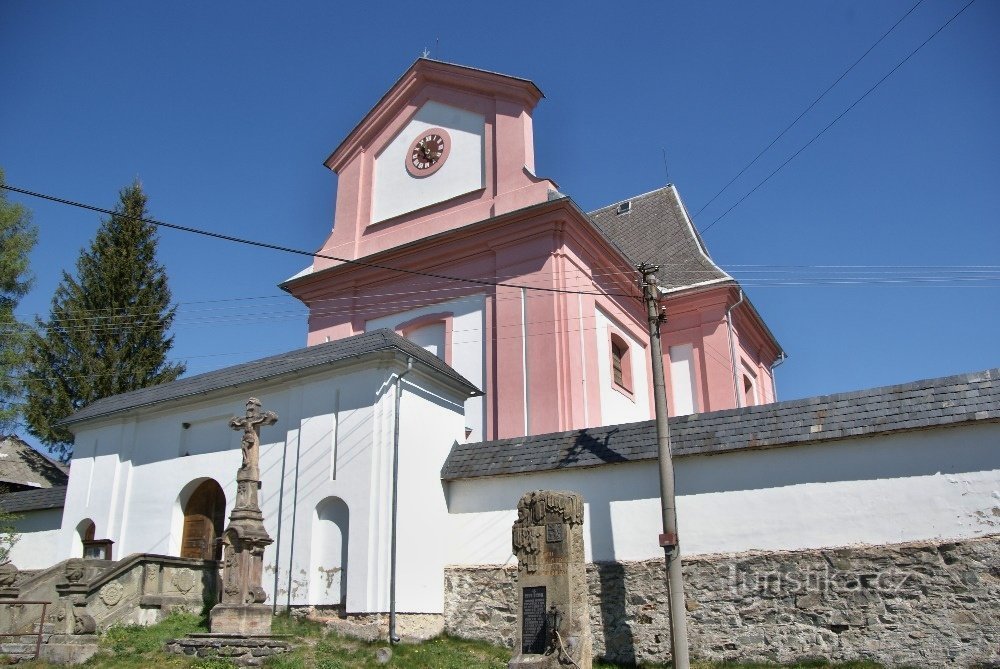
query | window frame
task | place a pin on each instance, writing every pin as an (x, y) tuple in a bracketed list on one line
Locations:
[(625, 386), (406, 328)]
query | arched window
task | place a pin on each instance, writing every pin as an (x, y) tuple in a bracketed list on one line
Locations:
[(204, 520), (431, 332), (621, 364)]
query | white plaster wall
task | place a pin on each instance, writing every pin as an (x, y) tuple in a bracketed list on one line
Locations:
[(939, 483), (151, 521), (423, 512), (397, 192), (682, 380), (39, 533), (468, 347), (616, 407), (333, 439)]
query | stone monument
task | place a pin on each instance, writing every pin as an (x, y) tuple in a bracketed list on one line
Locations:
[(242, 610), (553, 621)]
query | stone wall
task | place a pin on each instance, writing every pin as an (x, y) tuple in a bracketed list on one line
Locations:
[(922, 604)]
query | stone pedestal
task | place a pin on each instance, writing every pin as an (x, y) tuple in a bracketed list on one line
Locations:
[(242, 619), (553, 621)]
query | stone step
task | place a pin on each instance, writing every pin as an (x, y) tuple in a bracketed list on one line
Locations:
[(15, 648), (69, 648)]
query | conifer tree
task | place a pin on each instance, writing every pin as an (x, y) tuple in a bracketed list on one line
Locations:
[(107, 330), (17, 238)]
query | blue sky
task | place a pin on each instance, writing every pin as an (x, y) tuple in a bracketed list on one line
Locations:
[(226, 111)]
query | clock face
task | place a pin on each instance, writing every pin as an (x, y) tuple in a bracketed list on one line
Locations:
[(428, 152)]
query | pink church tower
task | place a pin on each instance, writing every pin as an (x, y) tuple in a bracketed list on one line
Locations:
[(444, 233)]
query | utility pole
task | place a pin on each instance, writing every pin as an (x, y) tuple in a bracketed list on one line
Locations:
[(671, 545)]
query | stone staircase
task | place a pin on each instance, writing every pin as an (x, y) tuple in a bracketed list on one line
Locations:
[(84, 597), (24, 646)]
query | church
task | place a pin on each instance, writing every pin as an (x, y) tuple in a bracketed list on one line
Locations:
[(474, 334)]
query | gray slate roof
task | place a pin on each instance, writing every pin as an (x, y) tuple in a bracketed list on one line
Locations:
[(23, 465), (656, 222), (268, 368), (33, 500), (966, 398)]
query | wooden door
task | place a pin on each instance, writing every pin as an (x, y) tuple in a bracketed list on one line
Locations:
[(204, 515)]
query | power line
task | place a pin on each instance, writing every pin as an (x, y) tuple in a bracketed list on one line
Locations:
[(377, 303), (839, 116), (808, 109), (311, 254)]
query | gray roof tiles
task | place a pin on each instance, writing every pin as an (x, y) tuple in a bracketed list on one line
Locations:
[(21, 464), (910, 406), (33, 500), (656, 230), (268, 368)]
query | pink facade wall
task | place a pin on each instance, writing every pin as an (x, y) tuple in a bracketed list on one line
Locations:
[(700, 319), (540, 354)]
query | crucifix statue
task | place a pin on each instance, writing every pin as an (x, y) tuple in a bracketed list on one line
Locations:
[(242, 610), (251, 424)]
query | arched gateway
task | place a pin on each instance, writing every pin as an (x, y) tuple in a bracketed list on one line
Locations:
[(204, 520)]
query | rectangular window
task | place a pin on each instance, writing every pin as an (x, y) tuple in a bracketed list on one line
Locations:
[(617, 354), (750, 397), (621, 364), (682, 379)]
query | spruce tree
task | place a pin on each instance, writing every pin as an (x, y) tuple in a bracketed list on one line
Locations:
[(107, 331), (17, 238)]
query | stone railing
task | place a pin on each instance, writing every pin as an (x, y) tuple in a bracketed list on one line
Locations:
[(92, 595)]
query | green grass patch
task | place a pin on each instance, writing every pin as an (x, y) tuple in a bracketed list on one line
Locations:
[(135, 647)]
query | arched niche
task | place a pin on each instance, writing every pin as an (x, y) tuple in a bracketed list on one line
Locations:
[(203, 506), (86, 530), (328, 559)]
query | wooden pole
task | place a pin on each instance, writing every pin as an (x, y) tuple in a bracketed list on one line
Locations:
[(669, 540)]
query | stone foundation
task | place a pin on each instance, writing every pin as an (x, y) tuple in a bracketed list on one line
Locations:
[(242, 651), (410, 627), (920, 604)]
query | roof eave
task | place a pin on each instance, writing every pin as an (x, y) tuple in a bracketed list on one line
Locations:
[(455, 381), (425, 70)]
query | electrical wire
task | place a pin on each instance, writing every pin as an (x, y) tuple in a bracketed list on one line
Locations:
[(311, 254), (807, 109), (838, 117)]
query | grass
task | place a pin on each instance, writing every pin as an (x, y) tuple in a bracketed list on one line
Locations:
[(136, 647)]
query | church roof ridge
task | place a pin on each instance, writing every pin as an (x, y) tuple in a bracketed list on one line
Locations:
[(268, 368), (657, 221), (963, 398)]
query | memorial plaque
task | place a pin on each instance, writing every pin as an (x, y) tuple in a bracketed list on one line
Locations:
[(533, 625), (553, 533), (547, 539)]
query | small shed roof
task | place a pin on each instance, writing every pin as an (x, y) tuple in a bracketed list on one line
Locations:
[(33, 500)]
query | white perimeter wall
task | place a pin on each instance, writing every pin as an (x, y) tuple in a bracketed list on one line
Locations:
[(936, 483), (39, 532)]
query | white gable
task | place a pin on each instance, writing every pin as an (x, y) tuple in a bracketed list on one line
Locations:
[(396, 191)]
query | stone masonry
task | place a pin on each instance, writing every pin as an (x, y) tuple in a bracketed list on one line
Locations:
[(918, 604)]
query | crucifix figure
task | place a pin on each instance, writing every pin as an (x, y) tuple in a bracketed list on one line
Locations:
[(242, 610), (251, 424)]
